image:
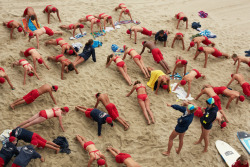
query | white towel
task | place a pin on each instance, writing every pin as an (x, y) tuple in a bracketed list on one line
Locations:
[(5, 136), (111, 28), (181, 93)]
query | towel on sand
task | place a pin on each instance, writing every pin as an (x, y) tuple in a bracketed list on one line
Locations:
[(154, 77), (111, 28), (31, 25), (77, 36), (181, 93)]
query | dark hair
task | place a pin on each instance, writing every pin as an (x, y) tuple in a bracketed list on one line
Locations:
[(109, 57), (71, 67), (193, 110), (161, 32), (234, 55), (32, 17), (185, 18), (98, 94), (111, 124), (90, 41), (137, 82)]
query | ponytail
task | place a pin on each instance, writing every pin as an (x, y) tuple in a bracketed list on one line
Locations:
[(137, 82), (109, 57), (90, 41)]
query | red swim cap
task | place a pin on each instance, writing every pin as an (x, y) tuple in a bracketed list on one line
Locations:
[(40, 61), (71, 52), (201, 48), (11, 139), (198, 112), (2, 80), (81, 26), (128, 31), (30, 74), (232, 75), (110, 17), (127, 11), (183, 82), (101, 162), (184, 62), (242, 98), (20, 29), (165, 86), (124, 46), (109, 120), (98, 21), (34, 142), (223, 125), (66, 109), (55, 87), (143, 42), (31, 34), (53, 9), (192, 44)]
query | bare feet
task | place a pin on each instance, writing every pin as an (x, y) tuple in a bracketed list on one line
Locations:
[(198, 142), (177, 150), (204, 151), (12, 106), (166, 153)]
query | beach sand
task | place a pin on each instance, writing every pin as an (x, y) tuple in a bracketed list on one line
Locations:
[(228, 19)]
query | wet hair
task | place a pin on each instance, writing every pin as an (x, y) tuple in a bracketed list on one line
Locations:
[(137, 82), (98, 94), (243, 158), (161, 32), (90, 42), (185, 18), (109, 57), (32, 17), (71, 67), (234, 55)]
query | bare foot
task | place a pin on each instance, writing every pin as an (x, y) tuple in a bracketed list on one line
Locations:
[(153, 121), (198, 142), (76, 108), (109, 148), (177, 150), (149, 122), (166, 153), (12, 106), (57, 151), (204, 151), (126, 128)]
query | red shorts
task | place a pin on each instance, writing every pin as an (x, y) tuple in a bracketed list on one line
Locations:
[(143, 97), (87, 112), (137, 57), (249, 63), (179, 33), (15, 165), (58, 39), (216, 53), (31, 96), (219, 90), (217, 101), (206, 41), (8, 24), (112, 111), (1, 162), (146, 32), (87, 144), (43, 114), (121, 157), (157, 55), (177, 61), (48, 31), (41, 141), (26, 53), (58, 56), (178, 17), (120, 64), (46, 9), (71, 26), (198, 75), (246, 88)]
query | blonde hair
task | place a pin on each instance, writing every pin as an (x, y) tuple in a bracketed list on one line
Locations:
[(243, 158)]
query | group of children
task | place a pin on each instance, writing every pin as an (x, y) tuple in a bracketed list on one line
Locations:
[(157, 80)]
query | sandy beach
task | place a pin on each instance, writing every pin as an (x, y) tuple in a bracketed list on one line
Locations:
[(228, 19)]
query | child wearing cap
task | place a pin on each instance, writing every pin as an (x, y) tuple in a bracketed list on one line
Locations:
[(182, 126), (124, 10), (180, 63), (97, 115), (198, 40), (32, 95), (73, 27), (51, 9), (8, 150), (12, 24), (207, 122), (43, 115)]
